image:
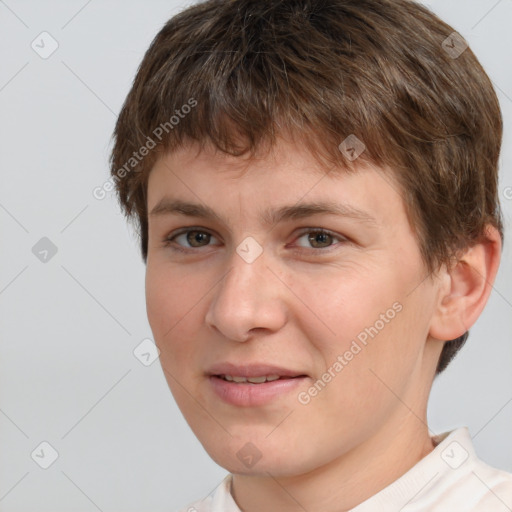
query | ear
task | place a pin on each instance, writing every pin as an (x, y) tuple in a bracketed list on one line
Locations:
[(466, 287)]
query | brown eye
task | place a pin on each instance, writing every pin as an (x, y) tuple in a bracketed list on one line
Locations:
[(200, 238), (319, 238), (188, 239)]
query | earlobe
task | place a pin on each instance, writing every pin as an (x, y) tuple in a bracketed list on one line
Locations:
[(469, 285)]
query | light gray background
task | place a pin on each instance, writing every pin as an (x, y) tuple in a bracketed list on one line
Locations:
[(68, 375)]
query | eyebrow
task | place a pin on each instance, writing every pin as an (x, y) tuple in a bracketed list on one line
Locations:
[(167, 206)]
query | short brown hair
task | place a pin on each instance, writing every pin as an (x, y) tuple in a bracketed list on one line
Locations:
[(382, 70)]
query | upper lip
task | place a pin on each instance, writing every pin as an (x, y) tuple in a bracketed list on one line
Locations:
[(252, 370)]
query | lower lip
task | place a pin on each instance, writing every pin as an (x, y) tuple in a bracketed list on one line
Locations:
[(246, 394)]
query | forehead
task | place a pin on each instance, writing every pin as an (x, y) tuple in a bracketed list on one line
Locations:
[(284, 182)]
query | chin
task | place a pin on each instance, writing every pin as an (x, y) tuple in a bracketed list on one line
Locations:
[(260, 458), (261, 468)]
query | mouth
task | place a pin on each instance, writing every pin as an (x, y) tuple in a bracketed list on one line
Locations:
[(238, 379), (253, 385)]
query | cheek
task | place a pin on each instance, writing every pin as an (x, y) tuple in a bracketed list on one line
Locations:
[(367, 317), (169, 294), (167, 303), (173, 303), (159, 301), (343, 305)]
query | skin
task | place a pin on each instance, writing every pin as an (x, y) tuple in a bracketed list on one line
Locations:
[(302, 310)]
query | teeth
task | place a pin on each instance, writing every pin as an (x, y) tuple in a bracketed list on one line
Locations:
[(257, 380), (253, 380)]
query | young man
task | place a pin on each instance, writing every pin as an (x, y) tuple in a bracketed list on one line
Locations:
[(315, 185)]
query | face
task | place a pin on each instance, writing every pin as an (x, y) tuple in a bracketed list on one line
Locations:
[(255, 281)]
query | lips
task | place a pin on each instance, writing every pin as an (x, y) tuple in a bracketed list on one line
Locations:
[(252, 380), (242, 373), (253, 385)]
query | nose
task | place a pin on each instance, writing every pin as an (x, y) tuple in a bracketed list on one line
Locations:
[(249, 299)]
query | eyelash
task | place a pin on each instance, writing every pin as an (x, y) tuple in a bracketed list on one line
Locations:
[(169, 240)]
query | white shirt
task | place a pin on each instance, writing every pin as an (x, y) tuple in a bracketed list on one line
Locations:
[(451, 478)]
